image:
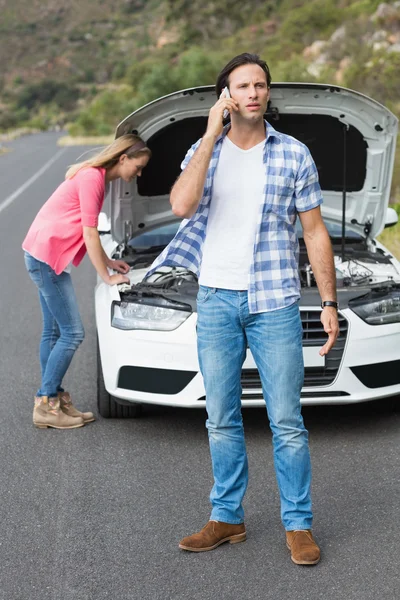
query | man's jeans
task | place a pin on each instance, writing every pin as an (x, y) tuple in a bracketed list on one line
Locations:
[(62, 326), (224, 329)]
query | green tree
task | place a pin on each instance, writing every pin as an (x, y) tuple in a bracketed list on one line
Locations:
[(159, 81), (197, 67)]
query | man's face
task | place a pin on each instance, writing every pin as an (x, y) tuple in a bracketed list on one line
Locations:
[(248, 86)]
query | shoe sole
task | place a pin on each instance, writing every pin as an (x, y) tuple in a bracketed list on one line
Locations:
[(302, 562), (40, 426), (232, 539), (88, 420)]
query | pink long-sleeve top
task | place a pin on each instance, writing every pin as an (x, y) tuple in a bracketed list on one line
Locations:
[(56, 235)]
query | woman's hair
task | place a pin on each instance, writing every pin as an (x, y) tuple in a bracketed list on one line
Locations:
[(131, 145), (238, 61)]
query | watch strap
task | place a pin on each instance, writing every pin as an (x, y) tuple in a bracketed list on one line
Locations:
[(330, 303)]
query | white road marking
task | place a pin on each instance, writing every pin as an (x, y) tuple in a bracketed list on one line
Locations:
[(23, 187)]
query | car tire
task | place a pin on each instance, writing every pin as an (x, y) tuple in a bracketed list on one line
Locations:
[(108, 406)]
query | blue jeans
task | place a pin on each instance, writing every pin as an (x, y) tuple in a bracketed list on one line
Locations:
[(224, 330), (62, 326)]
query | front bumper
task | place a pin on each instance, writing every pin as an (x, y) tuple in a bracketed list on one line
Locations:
[(162, 368)]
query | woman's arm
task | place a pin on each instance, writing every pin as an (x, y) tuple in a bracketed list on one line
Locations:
[(99, 258)]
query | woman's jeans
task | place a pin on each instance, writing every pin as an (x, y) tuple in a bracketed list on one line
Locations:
[(62, 326), (224, 330)]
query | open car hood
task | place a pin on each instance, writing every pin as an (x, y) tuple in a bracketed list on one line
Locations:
[(351, 137)]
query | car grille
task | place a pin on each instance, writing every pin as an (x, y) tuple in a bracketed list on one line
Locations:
[(313, 335)]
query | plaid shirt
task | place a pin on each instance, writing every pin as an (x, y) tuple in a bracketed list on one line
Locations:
[(291, 186)]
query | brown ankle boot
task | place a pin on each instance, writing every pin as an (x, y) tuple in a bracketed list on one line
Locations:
[(212, 535), (47, 413), (69, 409), (303, 548)]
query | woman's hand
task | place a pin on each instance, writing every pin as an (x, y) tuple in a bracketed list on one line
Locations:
[(117, 279), (118, 265), (101, 261)]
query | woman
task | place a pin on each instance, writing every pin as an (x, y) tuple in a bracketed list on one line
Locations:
[(64, 228)]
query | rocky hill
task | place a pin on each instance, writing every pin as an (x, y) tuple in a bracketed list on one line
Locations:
[(97, 46), (88, 63)]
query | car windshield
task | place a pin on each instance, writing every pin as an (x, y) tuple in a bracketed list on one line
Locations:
[(161, 236)]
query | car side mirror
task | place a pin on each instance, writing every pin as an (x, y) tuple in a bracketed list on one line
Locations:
[(392, 217), (104, 224)]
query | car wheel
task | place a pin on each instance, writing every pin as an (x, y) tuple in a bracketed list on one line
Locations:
[(108, 406)]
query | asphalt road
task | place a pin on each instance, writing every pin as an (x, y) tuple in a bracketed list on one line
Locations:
[(96, 513)]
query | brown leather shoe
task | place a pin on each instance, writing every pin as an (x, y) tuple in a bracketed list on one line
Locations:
[(303, 547), (212, 535)]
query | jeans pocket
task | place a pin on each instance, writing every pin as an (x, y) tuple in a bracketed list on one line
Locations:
[(34, 269), (203, 294)]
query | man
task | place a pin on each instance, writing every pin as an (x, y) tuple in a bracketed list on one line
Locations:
[(240, 192)]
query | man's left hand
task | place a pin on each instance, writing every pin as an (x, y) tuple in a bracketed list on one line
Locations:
[(119, 265), (329, 320)]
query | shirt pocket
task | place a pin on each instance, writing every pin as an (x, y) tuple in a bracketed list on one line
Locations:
[(280, 193)]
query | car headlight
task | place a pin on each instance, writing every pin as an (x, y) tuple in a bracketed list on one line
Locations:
[(140, 315), (379, 311)]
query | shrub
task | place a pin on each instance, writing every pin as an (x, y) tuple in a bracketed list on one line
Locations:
[(104, 113), (362, 7), (294, 69), (197, 67), (375, 75), (8, 120), (45, 92), (159, 81), (313, 20)]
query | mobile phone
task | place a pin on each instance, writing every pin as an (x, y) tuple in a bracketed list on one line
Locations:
[(225, 91)]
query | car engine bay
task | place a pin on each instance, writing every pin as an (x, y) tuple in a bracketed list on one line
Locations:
[(361, 267)]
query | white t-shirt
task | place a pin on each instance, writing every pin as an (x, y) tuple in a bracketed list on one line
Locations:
[(238, 193)]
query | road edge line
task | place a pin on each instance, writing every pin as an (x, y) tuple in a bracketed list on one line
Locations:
[(25, 185)]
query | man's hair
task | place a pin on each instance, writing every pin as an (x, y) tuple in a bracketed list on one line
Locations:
[(238, 61)]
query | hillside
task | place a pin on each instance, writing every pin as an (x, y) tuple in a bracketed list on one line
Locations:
[(87, 64)]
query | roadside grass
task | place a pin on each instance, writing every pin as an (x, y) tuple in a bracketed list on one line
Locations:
[(391, 237), (17, 133), (92, 140)]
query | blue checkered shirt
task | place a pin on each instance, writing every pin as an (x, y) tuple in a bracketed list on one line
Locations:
[(291, 186)]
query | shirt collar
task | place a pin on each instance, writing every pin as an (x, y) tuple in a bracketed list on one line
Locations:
[(270, 132)]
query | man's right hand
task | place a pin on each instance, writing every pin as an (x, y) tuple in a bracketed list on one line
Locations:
[(188, 189), (215, 117)]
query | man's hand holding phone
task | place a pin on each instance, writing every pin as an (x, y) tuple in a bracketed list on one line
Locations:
[(224, 105), (225, 94)]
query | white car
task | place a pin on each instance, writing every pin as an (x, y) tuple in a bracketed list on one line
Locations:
[(147, 330)]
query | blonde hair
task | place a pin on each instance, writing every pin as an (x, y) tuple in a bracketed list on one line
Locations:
[(131, 145)]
